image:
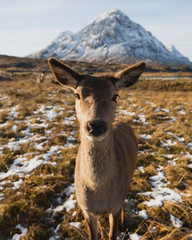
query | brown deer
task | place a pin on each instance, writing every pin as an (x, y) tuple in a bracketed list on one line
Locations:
[(40, 77), (107, 155)]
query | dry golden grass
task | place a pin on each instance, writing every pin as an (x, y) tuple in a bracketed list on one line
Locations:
[(39, 125)]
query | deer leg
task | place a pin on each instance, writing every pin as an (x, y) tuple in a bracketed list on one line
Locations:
[(113, 221), (123, 217), (91, 221)]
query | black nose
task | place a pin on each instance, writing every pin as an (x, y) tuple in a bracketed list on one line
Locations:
[(96, 127)]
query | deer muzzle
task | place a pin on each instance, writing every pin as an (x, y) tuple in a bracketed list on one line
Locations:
[(96, 128)]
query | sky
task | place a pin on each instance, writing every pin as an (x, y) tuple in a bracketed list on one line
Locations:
[(29, 26)]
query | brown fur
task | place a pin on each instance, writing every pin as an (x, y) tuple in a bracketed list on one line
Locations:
[(104, 164), (40, 78)]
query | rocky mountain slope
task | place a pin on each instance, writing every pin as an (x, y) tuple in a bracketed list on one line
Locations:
[(112, 38)]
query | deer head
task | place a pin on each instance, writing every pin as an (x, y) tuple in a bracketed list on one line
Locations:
[(96, 97)]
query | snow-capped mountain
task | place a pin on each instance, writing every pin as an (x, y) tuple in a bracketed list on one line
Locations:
[(112, 38)]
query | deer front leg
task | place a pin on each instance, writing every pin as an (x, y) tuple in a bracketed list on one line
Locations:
[(91, 221), (123, 217), (113, 221)]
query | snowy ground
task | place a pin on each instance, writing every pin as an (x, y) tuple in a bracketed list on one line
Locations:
[(38, 127), (23, 165)]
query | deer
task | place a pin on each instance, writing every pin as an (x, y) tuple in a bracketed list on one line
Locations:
[(107, 155), (40, 77)]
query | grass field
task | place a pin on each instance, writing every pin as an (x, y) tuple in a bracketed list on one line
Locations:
[(38, 144)]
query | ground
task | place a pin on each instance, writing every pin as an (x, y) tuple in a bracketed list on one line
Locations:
[(39, 141)]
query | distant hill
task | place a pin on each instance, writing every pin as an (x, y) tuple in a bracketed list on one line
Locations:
[(112, 38)]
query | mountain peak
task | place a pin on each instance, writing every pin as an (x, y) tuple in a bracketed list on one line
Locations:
[(112, 38), (108, 21), (112, 14)]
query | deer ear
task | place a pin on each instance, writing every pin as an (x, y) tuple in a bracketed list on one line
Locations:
[(129, 76), (63, 74)]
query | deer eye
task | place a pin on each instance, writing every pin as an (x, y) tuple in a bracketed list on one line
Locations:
[(77, 96), (114, 98)]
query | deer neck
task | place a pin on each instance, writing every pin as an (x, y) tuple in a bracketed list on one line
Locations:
[(97, 160)]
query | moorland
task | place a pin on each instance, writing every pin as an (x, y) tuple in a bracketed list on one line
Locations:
[(39, 140)]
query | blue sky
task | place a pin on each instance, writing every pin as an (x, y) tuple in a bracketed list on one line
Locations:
[(28, 26)]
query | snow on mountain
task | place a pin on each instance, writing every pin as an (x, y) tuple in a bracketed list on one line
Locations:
[(172, 49), (112, 38)]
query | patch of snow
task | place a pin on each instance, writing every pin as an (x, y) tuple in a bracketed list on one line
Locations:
[(74, 214), (17, 184), (151, 103), (48, 132), (189, 145), (190, 165), (27, 131), (181, 112), (125, 112), (69, 120), (168, 143), (40, 125), (141, 168), (153, 230), (57, 228), (143, 214), (169, 156), (54, 149), (170, 133), (2, 125), (23, 230), (40, 146), (15, 145), (59, 200), (176, 221), (70, 190), (188, 155), (2, 183), (59, 208), (142, 118), (69, 145), (162, 109), (146, 137), (56, 237), (160, 192), (173, 161), (75, 225), (49, 112), (13, 112), (180, 139), (70, 203), (165, 110), (174, 119), (55, 232), (14, 128), (1, 197), (71, 139), (134, 236), (22, 165), (70, 142)]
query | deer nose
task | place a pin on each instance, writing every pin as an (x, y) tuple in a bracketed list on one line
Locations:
[(96, 127)]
